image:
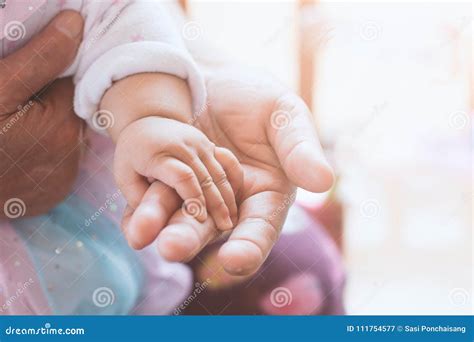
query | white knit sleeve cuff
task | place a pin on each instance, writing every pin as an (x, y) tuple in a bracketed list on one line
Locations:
[(133, 58)]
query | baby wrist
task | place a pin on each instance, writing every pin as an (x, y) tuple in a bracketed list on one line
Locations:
[(144, 95)]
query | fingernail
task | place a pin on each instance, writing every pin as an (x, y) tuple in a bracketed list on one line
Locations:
[(132, 241), (70, 23), (234, 219), (134, 231), (203, 216), (228, 223)]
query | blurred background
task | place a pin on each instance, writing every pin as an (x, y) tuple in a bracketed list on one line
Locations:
[(391, 88)]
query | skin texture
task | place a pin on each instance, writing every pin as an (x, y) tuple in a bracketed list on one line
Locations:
[(181, 157), (39, 151), (273, 159), (204, 176), (270, 131)]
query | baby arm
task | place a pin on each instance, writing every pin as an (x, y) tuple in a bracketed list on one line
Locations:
[(154, 143)]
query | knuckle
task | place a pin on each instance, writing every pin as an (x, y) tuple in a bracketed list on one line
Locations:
[(150, 165), (185, 153), (221, 179), (207, 182), (218, 205), (208, 150), (193, 161), (269, 230), (185, 176)]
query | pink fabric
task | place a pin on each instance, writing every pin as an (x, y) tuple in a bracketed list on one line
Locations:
[(21, 292), (167, 284), (19, 11), (301, 294), (121, 38), (25, 291)]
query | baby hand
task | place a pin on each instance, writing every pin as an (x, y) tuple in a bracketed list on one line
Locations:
[(206, 177)]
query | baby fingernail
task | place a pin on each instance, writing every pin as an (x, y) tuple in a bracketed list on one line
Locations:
[(228, 223), (204, 215)]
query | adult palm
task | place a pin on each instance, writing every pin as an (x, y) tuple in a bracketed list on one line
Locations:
[(269, 129)]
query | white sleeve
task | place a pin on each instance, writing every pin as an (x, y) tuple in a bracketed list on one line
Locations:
[(122, 38)]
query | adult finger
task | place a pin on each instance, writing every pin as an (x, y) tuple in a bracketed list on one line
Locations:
[(41, 61), (293, 136), (184, 237), (143, 225), (182, 178), (261, 218)]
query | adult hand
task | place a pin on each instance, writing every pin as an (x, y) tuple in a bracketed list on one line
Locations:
[(270, 131), (39, 133)]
